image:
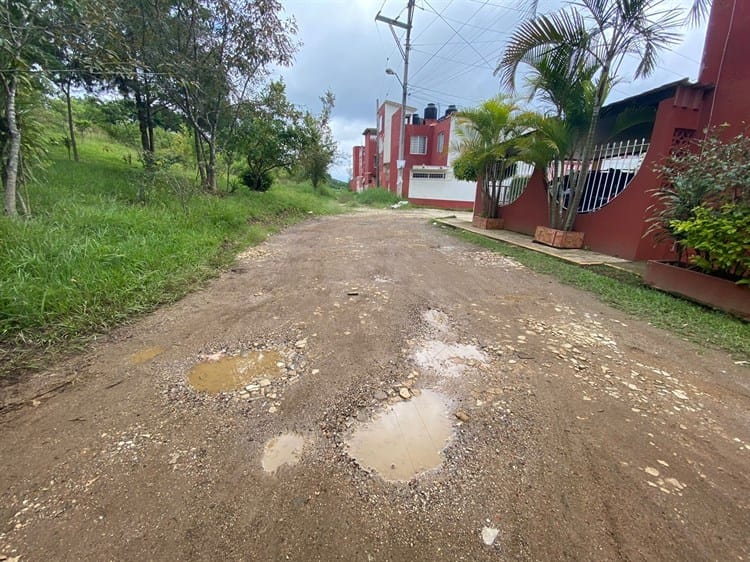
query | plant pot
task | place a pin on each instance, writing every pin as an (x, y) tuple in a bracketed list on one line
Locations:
[(558, 238), (487, 223), (699, 287)]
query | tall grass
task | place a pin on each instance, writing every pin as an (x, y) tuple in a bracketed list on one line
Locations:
[(92, 255)]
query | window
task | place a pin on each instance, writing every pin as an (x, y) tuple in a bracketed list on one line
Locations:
[(428, 175), (418, 145), (440, 143)]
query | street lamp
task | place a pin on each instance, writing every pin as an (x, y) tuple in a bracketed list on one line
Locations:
[(400, 164)]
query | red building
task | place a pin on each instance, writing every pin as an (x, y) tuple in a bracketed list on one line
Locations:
[(616, 205), (427, 175)]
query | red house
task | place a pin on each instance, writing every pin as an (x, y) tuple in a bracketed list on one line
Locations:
[(427, 175), (616, 204)]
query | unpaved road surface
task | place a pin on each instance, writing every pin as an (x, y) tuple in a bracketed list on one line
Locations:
[(585, 434)]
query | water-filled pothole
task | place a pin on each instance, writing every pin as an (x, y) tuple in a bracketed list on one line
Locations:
[(447, 359), (232, 373), (281, 450), (405, 440), (145, 355)]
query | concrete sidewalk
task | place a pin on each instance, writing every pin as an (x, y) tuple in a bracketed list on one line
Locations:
[(579, 257)]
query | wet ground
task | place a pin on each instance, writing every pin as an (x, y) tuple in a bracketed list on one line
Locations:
[(367, 387)]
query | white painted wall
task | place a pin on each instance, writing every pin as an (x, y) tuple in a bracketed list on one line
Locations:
[(448, 189)]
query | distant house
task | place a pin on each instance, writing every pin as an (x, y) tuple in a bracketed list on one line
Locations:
[(428, 174)]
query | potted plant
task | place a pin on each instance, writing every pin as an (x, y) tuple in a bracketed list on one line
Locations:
[(703, 208)]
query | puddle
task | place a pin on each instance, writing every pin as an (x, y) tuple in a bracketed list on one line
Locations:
[(232, 373), (447, 359), (405, 440), (145, 355), (281, 450)]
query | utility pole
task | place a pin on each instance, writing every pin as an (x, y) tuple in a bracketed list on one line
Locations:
[(404, 83)]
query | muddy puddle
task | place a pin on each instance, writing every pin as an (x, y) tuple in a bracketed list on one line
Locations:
[(281, 450), (145, 355), (405, 440), (232, 373), (447, 359)]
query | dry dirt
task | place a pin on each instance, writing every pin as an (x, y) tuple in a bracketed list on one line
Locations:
[(576, 431)]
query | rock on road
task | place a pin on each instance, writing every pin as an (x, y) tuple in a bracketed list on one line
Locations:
[(576, 432)]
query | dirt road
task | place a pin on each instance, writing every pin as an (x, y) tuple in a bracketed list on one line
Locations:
[(543, 425)]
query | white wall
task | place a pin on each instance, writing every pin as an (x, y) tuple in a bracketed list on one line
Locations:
[(448, 189)]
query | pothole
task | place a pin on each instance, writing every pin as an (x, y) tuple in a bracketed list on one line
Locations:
[(447, 359), (286, 449), (145, 355), (406, 440), (226, 374)]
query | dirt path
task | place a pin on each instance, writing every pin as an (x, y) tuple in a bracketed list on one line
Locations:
[(585, 434)]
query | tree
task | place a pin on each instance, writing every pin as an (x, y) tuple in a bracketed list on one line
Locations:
[(593, 34), (267, 132), (25, 36), (211, 53), (488, 146), (319, 147)]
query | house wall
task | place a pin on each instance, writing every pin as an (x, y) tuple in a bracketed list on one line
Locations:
[(726, 66), (619, 228)]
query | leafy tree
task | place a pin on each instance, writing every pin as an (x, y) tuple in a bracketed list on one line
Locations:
[(319, 147), (211, 54), (267, 132), (593, 34)]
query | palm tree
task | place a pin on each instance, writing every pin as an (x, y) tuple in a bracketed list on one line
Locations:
[(487, 142), (593, 35)]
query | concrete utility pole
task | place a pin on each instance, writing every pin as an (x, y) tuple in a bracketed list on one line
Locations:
[(404, 84)]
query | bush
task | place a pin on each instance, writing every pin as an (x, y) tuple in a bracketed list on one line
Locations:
[(257, 181), (377, 197), (720, 239)]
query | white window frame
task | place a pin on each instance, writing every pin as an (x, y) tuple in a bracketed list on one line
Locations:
[(440, 142), (421, 144)]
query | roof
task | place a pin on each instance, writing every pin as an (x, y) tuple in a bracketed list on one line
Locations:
[(647, 98), (409, 109)]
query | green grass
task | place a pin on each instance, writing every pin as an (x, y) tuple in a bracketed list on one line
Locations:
[(376, 197), (92, 256), (627, 292)]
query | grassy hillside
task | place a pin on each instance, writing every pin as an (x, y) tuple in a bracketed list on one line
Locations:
[(92, 255)]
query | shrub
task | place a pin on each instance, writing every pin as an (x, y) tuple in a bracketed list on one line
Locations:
[(720, 240), (257, 181)]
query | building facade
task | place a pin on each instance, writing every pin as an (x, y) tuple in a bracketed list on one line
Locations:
[(428, 157)]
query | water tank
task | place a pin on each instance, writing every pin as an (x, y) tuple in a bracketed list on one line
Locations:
[(416, 119), (430, 112), (451, 110)]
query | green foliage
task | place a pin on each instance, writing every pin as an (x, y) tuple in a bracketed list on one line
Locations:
[(488, 144), (710, 172), (377, 197), (91, 256), (720, 240), (318, 146), (257, 181)]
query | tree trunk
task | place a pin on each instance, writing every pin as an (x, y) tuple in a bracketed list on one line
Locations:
[(71, 128), (142, 124), (199, 155), (149, 119), (14, 147), (211, 166), (588, 149)]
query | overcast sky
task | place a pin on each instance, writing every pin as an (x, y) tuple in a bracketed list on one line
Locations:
[(456, 45)]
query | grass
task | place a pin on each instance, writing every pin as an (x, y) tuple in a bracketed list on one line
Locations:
[(92, 256), (626, 291), (374, 197)]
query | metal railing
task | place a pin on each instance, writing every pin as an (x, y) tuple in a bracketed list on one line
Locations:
[(614, 165), (515, 179)]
